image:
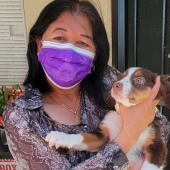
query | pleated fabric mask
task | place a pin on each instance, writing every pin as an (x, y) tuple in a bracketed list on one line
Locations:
[(65, 64)]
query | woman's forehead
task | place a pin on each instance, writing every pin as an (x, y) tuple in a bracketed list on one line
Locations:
[(72, 21)]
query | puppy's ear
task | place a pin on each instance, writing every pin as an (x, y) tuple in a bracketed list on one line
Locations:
[(164, 91), (109, 100)]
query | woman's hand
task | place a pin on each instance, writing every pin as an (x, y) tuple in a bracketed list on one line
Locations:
[(136, 119)]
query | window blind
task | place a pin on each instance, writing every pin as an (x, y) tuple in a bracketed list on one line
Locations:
[(13, 62)]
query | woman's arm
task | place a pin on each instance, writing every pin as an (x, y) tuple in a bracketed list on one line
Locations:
[(31, 151), (111, 157)]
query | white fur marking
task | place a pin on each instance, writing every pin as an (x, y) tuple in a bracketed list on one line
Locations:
[(60, 139), (113, 122), (127, 86), (147, 166)]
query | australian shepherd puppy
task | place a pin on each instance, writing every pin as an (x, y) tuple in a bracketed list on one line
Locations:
[(132, 87)]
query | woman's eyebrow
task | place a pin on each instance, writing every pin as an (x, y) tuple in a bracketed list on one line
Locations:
[(86, 36), (62, 29)]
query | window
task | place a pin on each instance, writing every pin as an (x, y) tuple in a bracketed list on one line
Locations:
[(13, 62)]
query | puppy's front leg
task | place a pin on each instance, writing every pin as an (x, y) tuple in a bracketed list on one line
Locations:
[(83, 141), (93, 142), (60, 139)]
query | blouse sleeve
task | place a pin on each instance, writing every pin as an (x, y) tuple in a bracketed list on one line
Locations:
[(111, 157), (165, 125), (32, 152)]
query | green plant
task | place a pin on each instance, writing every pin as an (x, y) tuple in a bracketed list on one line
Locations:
[(8, 94)]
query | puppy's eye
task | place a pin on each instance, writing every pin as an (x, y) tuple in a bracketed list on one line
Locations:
[(139, 81)]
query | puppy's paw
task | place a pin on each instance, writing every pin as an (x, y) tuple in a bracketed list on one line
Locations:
[(60, 139), (57, 139)]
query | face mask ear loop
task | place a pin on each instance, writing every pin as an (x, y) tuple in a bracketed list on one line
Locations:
[(41, 42), (93, 67)]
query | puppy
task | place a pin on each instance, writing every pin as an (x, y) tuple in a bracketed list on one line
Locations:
[(132, 87)]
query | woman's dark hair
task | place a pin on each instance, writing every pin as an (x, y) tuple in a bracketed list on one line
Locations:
[(92, 83)]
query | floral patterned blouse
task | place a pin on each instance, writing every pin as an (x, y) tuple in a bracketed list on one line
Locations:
[(27, 125)]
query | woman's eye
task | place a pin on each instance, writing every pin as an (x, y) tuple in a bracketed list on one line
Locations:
[(139, 81), (82, 43), (59, 38)]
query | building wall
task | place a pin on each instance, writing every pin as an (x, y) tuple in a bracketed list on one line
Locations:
[(32, 9)]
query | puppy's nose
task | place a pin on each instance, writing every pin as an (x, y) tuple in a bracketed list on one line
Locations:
[(117, 86)]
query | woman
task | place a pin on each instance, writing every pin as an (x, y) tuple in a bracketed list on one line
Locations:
[(68, 74)]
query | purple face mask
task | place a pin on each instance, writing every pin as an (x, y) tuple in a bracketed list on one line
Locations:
[(65, 64)]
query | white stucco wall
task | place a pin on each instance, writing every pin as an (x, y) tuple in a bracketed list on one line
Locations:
[(32, 9)]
